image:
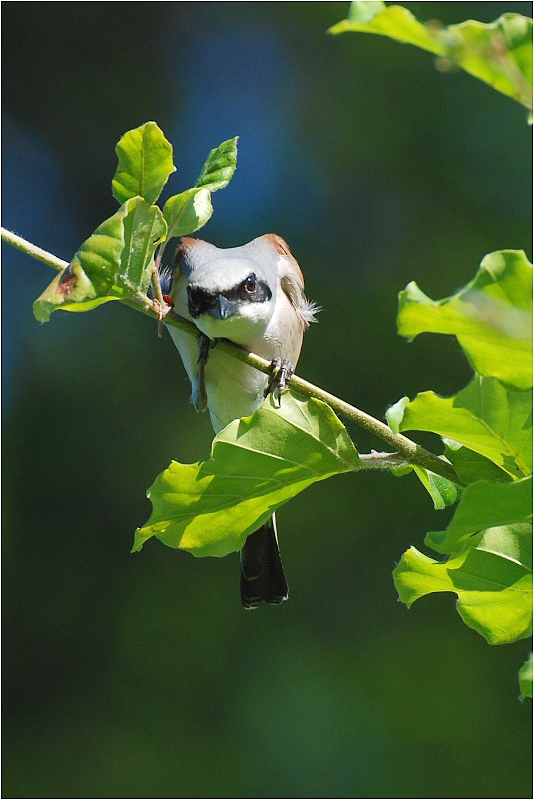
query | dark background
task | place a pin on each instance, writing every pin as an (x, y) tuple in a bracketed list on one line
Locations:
[(141, 675)]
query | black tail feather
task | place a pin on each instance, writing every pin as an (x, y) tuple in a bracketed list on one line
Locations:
[(262, 572)]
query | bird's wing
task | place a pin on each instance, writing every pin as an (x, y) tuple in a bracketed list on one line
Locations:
[(292, 281), (186, 344)]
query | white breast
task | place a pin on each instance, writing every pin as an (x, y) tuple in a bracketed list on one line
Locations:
[(233, 389)]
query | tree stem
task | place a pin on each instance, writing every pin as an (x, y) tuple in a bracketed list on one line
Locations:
[(32, 250), (409, 450)]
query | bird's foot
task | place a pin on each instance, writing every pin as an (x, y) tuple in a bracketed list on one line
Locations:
[(162, 310), (280, 375), (204, 346)]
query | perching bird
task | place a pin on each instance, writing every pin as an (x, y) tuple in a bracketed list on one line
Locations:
[(252, 295)]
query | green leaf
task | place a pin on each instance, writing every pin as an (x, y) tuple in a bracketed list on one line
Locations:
[(494, 591), (144, 229), (443, 492), (87, 280), (256, 464), (485, 417), (71, 290), (219, 167), (471, 466), (513, 542), (498, 53), (393, 21), (395, 414), (99, 256), (187, 212), (525, 679), (491, 316), (114, 263), (484, 505), (363, 12), (145, 163)]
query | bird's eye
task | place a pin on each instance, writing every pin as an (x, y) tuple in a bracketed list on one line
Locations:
[(250, 283)]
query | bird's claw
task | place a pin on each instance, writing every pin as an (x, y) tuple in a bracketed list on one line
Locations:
[(280, 375), (161, 311), (204, 346)]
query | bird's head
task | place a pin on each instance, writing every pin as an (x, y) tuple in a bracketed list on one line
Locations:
[(230, 293)]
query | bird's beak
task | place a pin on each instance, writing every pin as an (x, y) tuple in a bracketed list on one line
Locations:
[(223, 308)]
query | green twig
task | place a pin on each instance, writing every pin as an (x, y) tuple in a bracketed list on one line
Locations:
[(32, 250), (412, 452), (409, 450)]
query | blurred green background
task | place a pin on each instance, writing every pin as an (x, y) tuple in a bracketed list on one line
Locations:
[(141, 675)]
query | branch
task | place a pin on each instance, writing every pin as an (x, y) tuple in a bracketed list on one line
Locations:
[(409, 451), (374, 460), (32, 250)]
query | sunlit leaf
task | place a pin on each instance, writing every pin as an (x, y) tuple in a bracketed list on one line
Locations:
[(484, 505), (188, 211), (513, 542), (393, 21), (494, 591), (363, 12), (114, 263), (99, 256), (491, 316), (498, 53), (395, 414), (219, 167), (525, 679), (70, 290), (86, 282), (442, 491), (485, 417), (144, 229), (145, 163), (256, 465)]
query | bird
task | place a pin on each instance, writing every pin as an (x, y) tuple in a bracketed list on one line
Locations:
[(252, 295)]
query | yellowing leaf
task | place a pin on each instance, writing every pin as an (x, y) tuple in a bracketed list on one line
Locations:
[(114, 263)]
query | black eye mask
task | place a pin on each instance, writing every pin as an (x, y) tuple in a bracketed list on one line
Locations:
[(251, 290)]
